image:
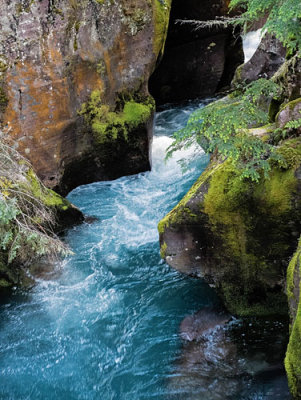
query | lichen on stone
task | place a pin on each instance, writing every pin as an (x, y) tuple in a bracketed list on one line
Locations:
[(135, 18)]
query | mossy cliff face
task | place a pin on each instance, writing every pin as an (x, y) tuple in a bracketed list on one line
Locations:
[(53, 57), (293, 354), (238, 234)]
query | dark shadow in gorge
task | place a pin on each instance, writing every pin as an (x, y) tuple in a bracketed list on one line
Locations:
[(196, 63)]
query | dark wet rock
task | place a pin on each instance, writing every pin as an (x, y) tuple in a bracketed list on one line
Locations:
[(44, 270), (90, 219), (265, 62), (196, 63)]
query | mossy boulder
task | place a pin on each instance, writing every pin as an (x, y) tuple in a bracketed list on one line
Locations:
[(290, 116), (110, 125), (289, 77), (239, 234), (293, 354)]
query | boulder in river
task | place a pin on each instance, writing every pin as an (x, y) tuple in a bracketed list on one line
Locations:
[(266, 61), (238, 234)]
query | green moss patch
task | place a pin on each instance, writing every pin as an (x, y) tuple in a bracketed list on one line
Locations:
[(293, 354), (290, 151), (112, 125), (47, 196), (161, 20)]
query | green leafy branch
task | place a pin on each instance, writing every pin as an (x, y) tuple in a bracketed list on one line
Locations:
[(224, 127), (283, 19)]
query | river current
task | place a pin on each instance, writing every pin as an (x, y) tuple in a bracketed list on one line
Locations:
[(104, 324)]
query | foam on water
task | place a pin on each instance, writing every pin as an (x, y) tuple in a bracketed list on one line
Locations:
[(107, 327)]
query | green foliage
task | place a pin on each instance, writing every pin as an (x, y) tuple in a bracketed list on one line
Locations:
[(223, 126), (25, 219), (294, 124), (290, 153), (283, 18), (287, 131)]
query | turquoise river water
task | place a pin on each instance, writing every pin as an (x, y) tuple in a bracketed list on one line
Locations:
[(104, 324)]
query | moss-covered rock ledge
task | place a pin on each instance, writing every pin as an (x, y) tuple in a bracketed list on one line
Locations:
[(293, 354), (65, 213), (239, 234)]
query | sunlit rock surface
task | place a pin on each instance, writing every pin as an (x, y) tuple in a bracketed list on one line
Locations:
[(53, 56)]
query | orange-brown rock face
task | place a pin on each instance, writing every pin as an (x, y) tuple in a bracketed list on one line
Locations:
[(53, 56)]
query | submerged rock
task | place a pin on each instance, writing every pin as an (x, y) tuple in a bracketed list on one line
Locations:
[(223, 358), (197, 326), (196, 62), (54, 56), (208, 366)]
